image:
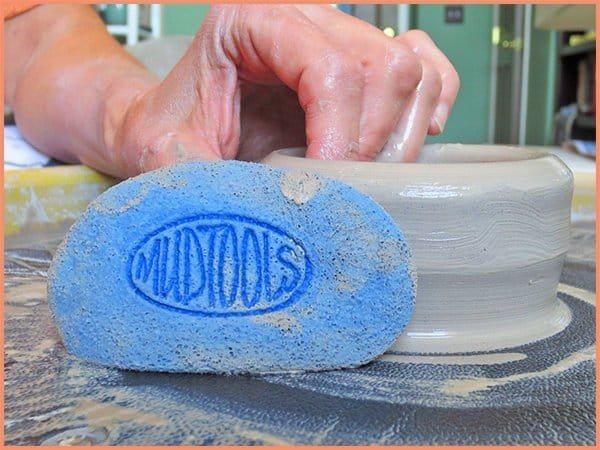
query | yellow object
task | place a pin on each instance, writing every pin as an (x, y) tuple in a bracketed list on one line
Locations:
[(584, 196), (578, 39), (516, 44), (495, 35), (40, 199), (389, 31)]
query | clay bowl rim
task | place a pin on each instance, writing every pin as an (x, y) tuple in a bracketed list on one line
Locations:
[(520, 167), (513, 154)]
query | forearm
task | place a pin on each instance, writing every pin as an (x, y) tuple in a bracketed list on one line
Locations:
[(70, 83)]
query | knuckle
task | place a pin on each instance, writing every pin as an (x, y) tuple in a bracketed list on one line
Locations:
[(451, 76), (416, 36), (341, 69), (435, 83), (403, 66)]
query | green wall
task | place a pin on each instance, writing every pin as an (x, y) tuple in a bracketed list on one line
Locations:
[(467, 45), (182, 19), (542, 79)]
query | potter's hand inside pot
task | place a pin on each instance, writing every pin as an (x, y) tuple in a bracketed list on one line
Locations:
[(256, 78), (427, 109)]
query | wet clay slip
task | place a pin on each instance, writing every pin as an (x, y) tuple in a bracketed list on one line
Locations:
[(488, 227)]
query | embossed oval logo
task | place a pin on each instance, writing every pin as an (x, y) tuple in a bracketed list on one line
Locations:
[(219, 265)]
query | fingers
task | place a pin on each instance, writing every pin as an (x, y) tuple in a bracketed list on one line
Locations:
[(392, 72), (408, 138), (425, 48), (328, 80), (409, 113), (356, 86), (330, 93)]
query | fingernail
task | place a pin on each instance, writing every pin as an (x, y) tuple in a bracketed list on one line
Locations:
[(436, 124), (440, 115)]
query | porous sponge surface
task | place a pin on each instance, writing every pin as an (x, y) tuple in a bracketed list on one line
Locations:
[(231, 267)]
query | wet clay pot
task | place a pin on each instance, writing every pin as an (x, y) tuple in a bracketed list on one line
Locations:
[(488, 228)]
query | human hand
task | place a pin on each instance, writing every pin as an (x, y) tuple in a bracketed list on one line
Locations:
[(257, 78)]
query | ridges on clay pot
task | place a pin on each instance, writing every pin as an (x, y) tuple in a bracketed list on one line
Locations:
[(488, 228)]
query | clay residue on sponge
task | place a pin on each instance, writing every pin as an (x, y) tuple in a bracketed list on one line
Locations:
[(390, 255), (105, 206), (283, 321), (299, 187), (346, 283)]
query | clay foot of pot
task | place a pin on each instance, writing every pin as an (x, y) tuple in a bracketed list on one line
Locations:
[(231, 267)]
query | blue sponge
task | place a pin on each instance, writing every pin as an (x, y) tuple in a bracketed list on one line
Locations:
[(231, 267)]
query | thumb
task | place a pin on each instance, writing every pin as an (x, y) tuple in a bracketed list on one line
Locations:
[(193, 114)]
